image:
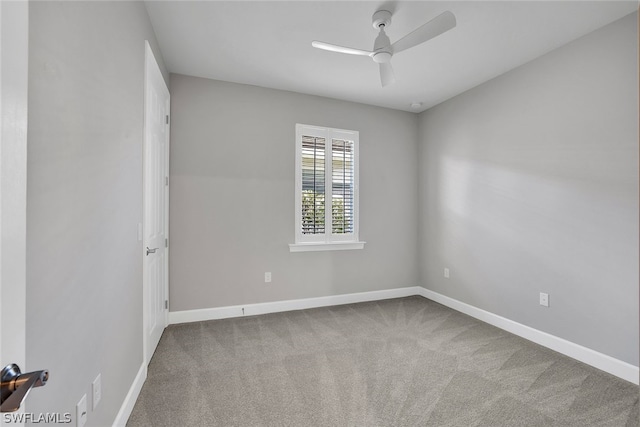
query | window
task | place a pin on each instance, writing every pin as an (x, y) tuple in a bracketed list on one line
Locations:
[(326, 189)]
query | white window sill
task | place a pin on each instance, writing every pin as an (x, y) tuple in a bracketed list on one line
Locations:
[(324, 246)]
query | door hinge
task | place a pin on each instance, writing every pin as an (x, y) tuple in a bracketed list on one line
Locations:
[(166, 180), (167, 119), (166, 304), (166, 243)]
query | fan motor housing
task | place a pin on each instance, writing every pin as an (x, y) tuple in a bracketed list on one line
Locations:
[(381, 17), (382, 57)]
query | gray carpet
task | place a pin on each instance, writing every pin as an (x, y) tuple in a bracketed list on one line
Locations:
[(399, 362)]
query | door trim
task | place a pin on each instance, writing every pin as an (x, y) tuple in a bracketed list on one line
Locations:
[(14, 64)]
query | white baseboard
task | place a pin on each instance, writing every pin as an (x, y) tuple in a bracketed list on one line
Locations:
[(132, 396), (290, 305), (598, 360), (586, 355)]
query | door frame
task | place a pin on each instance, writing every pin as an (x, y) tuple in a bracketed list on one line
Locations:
[(150, 61), (14, 65)]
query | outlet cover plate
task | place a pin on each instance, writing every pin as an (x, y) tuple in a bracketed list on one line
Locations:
[(81, 412), (544, 299), (96, 390)]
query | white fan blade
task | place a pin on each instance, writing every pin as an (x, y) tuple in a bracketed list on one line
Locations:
[(340, 49), (438, 25), (386, 74)]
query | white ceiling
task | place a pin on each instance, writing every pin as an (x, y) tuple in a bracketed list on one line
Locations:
[(268, 43)]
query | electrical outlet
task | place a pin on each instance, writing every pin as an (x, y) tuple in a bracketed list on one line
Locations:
[(96, 390), (81, 412), (544, 299), (446, 273), (267, 277)]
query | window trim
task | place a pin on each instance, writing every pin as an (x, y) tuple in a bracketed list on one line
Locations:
[(325, 246), (328, 240)]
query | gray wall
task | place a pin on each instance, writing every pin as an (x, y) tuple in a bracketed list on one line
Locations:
[(232, 197), (529, 183), (84, 196)]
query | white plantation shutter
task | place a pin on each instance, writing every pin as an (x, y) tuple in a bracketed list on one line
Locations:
[(326, 185), (342, 186), (313, 185)]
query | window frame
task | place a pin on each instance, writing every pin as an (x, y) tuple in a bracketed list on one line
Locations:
[(328, 240)]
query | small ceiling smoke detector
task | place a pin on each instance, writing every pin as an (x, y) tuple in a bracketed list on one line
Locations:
[(416, 105)]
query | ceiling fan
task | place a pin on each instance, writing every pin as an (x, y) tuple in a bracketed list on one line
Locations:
[(383, 50)]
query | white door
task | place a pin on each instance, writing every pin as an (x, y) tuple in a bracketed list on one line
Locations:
[(14, 29), (156, 197)]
